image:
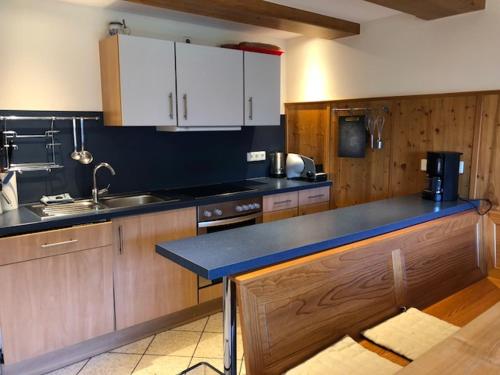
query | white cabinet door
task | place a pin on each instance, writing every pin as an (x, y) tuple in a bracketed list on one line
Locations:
[(147, 81), (262, 89), (209, 86)]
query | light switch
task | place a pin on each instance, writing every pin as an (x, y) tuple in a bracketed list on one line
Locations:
[(423, 165), (461, 168)]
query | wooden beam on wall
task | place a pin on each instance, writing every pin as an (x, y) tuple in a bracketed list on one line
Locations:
[(432, 9), (264, 14)]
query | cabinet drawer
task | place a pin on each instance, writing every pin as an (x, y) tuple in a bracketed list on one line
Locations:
[(279, 202), (54, 242), (267, 217), (314, 208), (316, 195)]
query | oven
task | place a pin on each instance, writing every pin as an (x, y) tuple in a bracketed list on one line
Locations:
[(227, 215)]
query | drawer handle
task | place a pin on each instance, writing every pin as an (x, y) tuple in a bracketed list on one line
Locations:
[(316, 196), (46, 245), (283, 202)]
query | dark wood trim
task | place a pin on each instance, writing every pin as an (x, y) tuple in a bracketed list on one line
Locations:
[(78, 352), (264, 14), (400, 97), (432, 9)]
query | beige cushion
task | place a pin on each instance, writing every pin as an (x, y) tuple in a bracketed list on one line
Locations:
[(411, 333), (346, 357)]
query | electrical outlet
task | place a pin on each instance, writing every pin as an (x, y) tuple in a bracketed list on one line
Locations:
[(256, 156)]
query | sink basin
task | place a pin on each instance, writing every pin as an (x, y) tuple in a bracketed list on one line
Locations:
[(130, 201), (63, 209)]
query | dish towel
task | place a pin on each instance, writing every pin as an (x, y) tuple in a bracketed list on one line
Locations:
[(345, 357), (410, 333)]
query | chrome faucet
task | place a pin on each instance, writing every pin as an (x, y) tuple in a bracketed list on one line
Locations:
[(95, 191)]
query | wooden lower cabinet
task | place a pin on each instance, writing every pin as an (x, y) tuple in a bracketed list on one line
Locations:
[(147, 285), (314, 208), (54, 302), (267, 217)]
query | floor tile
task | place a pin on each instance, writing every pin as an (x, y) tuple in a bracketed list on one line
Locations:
[(211, 346), (214, 323), (177, 343), (161, 365), (216, 362), (111, 364), (138, 347), (196, 326), (69, 370)]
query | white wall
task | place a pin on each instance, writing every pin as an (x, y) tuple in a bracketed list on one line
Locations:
[(49, 53), (399, 55)]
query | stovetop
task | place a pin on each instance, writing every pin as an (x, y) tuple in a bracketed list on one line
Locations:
[(198, 192)]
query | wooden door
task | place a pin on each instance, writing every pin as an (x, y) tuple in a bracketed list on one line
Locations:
[(54, 302), (147, 285), (147, 81), (262, 89), (209, 86)]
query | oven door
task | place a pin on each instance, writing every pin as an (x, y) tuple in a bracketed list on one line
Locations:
[(225, 224)]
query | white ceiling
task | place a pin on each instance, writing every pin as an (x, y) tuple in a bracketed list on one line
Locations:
[(352, 10)]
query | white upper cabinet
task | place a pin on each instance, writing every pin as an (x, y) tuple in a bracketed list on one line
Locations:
[(138, 81), (262, 89), (209, 86)]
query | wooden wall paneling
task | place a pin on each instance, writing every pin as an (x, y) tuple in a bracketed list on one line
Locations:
[(486, 181), (491, 238), (360, 180), (430, 124), (308, 130), (350, 288)]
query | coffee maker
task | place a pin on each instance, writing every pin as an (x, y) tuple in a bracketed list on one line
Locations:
[(443, 169)]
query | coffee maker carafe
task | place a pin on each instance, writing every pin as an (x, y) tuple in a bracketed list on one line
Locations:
[(443, 169)]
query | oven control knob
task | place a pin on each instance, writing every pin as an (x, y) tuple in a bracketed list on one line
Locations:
[(239, 208), (252, 206), (207, 214), (256, 206), (218, 212), (246, 207)]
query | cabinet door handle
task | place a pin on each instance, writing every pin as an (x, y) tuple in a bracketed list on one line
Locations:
[(316, 196), (250, 108), (54, 244), (185, 100), (171, 105), (120, 239), (283, 202)]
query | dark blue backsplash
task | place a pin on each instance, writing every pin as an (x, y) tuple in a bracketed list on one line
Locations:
[(144, 159)]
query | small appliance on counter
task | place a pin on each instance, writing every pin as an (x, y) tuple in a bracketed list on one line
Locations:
[(300, 167), (278, 164), (443, 169)]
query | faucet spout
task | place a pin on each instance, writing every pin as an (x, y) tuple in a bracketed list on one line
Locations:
[(95, 190)]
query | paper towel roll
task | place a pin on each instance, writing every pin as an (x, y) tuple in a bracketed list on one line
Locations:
[(294, 165), (8, 197)]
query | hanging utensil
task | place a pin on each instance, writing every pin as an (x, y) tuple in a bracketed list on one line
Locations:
[(371, 129), (85, 156), (379, 144), (75, 155)]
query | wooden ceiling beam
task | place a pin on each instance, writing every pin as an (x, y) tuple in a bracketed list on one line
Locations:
[(432, 9), (264, 14)]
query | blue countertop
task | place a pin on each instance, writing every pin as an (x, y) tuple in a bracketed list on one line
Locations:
[(245, 249), (23, 220)]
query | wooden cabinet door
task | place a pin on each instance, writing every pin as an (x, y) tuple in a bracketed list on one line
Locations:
[(267, 217), (147, 285), (209, 86), (314, 208), (147, 81), (57, 301), (262, 89)]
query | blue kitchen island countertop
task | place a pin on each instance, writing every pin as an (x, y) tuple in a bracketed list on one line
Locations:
[(248, 248)]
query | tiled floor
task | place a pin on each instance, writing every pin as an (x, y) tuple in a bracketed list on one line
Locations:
[(166, 353)]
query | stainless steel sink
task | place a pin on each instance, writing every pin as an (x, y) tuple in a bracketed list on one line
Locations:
[(130, 201), (63, 209)]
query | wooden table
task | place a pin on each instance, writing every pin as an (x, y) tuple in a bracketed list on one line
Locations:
[(474, 349)]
